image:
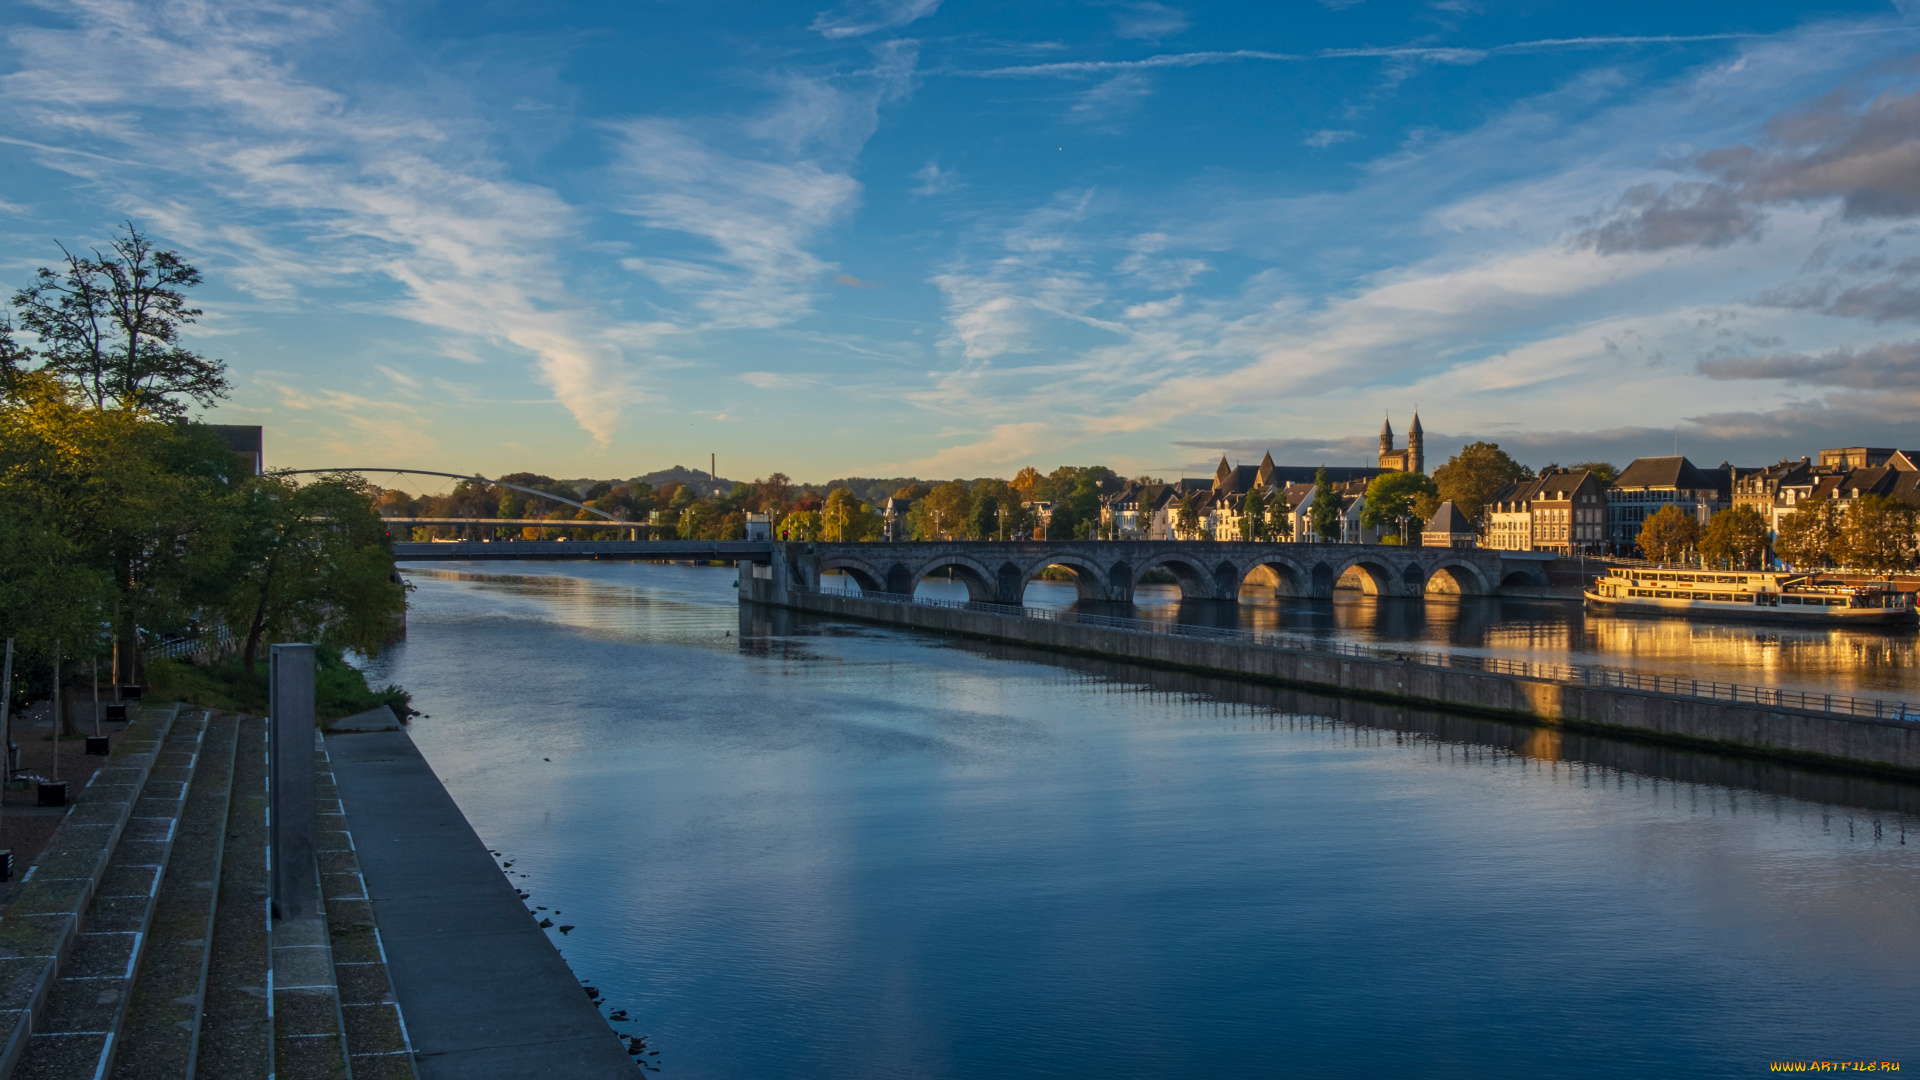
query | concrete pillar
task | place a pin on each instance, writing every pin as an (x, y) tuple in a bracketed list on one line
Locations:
[(290, 779)]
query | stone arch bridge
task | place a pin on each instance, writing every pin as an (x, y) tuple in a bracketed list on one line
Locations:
[(1110, 570)]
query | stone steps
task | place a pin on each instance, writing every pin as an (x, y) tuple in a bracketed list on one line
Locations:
[(236, 1033), (51, 903), (77, 1034), (162, 1030), (377, 1043)]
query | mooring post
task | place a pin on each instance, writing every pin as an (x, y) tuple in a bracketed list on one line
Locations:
[(290, 776)]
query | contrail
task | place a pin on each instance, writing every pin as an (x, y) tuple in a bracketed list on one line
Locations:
[(1419, 52)]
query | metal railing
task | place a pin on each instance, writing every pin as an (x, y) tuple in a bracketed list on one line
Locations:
[(1566, 674), (218, 639)]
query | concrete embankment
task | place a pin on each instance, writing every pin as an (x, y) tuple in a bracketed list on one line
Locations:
[(482, 988), (1857, 743)]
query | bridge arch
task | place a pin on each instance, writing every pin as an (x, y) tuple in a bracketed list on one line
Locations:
[(869, 578), (1457, 578), (1289, 579), (1523, 576), (981, 582), (1197, 581), (1090, 579), (1377, 577)]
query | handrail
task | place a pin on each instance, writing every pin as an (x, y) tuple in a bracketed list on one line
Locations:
[(1568, 674)]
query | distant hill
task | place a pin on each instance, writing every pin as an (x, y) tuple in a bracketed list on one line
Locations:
[(693, 478)]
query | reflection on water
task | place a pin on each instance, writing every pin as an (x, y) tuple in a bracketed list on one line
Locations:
[(797, 847), (1884, 663)]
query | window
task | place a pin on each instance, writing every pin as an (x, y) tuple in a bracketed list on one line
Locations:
[(1789, 599), (1743, 598), (1664, 593), (1725, 598)]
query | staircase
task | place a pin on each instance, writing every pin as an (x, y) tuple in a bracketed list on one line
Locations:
[(140, 947)]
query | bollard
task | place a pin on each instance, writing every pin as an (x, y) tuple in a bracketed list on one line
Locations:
[(290, 779)]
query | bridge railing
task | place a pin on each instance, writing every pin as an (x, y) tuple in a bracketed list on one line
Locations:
[(217, 640), (1568, 674)]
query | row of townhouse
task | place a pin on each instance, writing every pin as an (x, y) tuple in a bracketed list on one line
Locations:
[(1153, 511), (1578, 514)]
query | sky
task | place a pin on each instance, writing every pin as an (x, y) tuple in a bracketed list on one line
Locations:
[(956, 237)]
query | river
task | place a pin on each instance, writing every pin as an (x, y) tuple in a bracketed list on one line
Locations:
[(796, 847)]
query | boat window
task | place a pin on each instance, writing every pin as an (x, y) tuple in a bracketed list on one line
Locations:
[(1683, 577), (1724, 579), (1836, 601), (1743, 598), (1727, 597), (1663, 592), (1789, 599)]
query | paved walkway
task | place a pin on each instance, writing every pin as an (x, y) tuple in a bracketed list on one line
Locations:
[(483, 991)]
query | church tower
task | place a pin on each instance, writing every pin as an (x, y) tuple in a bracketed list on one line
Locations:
[(1386, 440), (1416, 446)]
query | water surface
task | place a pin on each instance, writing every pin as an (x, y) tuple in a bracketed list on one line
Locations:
[(796, 847)]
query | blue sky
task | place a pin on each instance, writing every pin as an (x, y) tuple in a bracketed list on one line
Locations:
[(946, 237)]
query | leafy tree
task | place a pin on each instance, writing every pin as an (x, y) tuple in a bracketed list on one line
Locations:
[(1603, 471), (915, 490), (1881, 534), (110, 326), (805, 525), (1187, 516), (1028, 482), (1390, 500), (1668, 534), (943, 514), (986, 516), (1253, 517), (1077, 511), (1324, 514), (313, 563), (1472, 477), (1279, 514), (1810, 537), (1735, 537)]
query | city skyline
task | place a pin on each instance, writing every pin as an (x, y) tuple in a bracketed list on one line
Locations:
[(902, 237)]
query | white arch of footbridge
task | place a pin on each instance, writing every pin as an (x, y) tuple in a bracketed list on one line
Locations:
[(464, 476)]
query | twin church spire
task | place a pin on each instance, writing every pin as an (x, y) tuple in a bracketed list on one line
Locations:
[(1414, 457)]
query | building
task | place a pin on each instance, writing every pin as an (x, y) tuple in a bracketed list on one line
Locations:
[(893, 518), (1860, 457), (759, 526), (1448, 529), (1510, 517), (1413, 458), (248, 443), (1649, 484)]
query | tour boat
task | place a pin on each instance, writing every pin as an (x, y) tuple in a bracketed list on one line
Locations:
[(1768, 597)]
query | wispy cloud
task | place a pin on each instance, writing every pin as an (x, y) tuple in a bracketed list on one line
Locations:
[(756, 192), (1326, 137), (207, 99), (856, 18), (1436, 54)]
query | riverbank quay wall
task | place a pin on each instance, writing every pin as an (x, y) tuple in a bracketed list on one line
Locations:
[(1884, 746)]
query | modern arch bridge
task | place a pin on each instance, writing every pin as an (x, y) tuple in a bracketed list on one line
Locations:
[(1110, 570)]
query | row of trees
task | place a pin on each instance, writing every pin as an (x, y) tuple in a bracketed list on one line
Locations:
[(120, 520), (1876, 533)]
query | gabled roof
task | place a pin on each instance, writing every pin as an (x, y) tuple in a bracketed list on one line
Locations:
[(1665, 472), (1559, 486)]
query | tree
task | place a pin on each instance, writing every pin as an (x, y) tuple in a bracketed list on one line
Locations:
[(1880, 535), (313, 564), (1735, 537), (110, 326), (1668, 534), (1810, 536), (1603, 471), (1324, 514), (1253, 517), (1390, 500), (1472, 477), (1028, 482), (943, 513), (1279, 514), (1187, 516)]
